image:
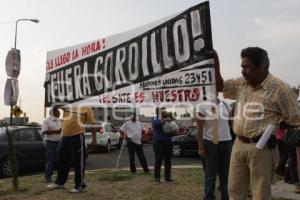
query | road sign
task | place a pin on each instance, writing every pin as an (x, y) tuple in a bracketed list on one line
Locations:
[(13, 63), (11, 92)]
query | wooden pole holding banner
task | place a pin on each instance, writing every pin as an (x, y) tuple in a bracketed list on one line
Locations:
[(214, 124)]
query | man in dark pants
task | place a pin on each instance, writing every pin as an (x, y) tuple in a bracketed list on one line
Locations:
[(133, 130), (51, 129), (216, 156), (162, 146), (71, 149)]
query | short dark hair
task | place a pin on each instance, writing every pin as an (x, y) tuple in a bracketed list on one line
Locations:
[(53, 109), (257, 55)]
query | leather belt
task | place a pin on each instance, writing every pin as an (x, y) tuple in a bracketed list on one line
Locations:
[(249, 140)]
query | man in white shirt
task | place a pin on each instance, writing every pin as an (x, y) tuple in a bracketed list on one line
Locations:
[(51, 129), (216, 157), (133, 131)]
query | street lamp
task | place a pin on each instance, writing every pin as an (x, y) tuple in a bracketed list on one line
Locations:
[(16, 31), (32, 20)]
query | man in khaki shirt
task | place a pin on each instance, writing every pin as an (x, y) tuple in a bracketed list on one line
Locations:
[(71, 149), (262, 99)]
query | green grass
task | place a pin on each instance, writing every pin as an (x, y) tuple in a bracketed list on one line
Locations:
[(104, 185)]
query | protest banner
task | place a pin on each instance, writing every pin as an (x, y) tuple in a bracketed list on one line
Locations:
[(164, 62)]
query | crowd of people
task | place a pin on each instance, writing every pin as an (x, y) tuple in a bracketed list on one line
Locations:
[(242, 168)]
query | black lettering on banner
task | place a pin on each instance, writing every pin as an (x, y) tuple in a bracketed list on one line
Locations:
[(181, 41)]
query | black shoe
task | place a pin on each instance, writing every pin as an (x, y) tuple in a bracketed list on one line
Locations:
[(169, 180), (83, 186)]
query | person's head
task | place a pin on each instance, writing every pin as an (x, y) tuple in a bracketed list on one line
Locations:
[(54, 112), (255, 65), (163, 113), (133, 116)]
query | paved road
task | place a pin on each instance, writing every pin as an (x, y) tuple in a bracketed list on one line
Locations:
[(102, 160)]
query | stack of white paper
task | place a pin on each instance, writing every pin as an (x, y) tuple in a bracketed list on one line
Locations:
[(265, 137)]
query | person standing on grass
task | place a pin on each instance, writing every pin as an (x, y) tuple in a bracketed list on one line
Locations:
[(216, 156), (51, 129), (133, 130), (71, 151), (262, 100), (162, 146)]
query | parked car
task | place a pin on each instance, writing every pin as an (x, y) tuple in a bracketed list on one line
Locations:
[(106, 136), (29, 148), (28, 145), (185, 143)]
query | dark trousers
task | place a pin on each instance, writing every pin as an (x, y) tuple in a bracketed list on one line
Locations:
[(283, 157), (71, 152), (51, 157), (292, 174), (217, 159), (138, 149), (162, 152)]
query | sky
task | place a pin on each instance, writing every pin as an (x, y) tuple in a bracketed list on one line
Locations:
[(271, 24)]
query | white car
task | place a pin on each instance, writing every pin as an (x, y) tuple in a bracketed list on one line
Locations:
[(106, 136)]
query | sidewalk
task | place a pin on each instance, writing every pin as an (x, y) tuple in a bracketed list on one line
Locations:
[(284, 190)]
